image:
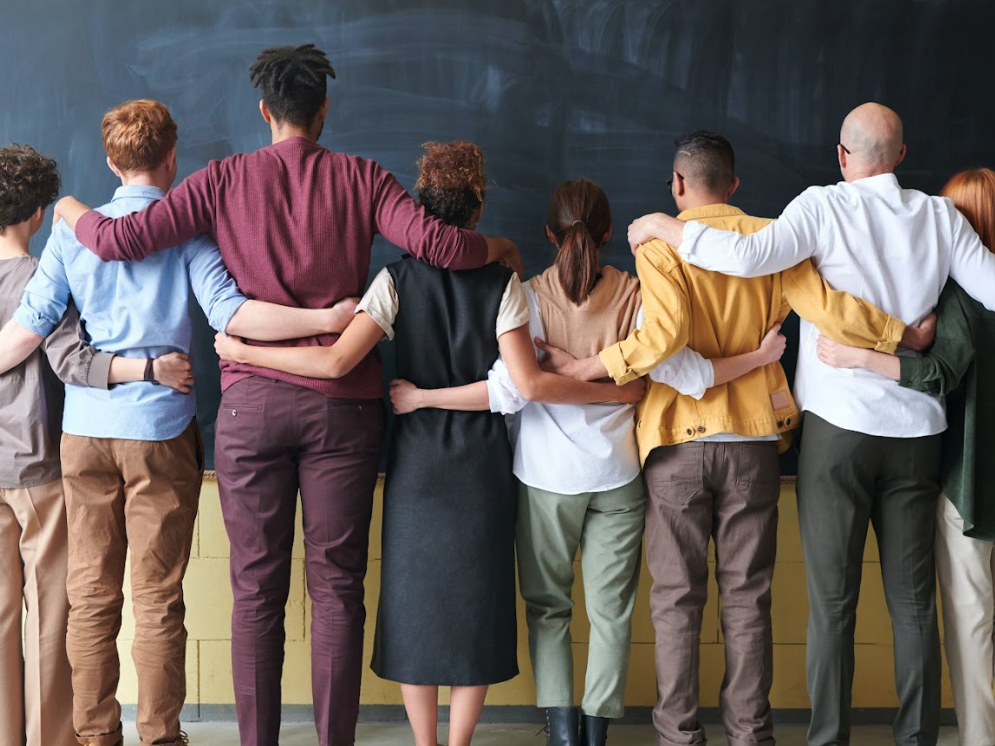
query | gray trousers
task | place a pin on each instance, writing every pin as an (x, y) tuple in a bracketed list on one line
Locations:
[(847, 481)]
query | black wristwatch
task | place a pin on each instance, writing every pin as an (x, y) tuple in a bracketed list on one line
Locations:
[(149, 372)]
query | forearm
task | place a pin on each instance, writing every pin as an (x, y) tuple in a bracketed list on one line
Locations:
[(554, 389), (729, 368), (888, 366), (469, 398), (16, 344), (269, 322), (586, 369), (313, 362), (126, 369)]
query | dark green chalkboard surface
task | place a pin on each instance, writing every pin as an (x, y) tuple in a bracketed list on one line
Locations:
[(551, 89)]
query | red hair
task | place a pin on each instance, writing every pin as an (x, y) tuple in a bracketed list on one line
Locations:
[(138, 135), (973, 193)]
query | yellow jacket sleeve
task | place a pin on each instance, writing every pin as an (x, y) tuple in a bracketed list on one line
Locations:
[(668, 316), (840, 316)]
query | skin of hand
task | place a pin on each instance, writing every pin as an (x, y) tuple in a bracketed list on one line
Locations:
[(655, 225), (341, 314), (228, 348), (838, 355), (405, 396), (556, 360), (920, 337), (174, 370), (773, 345), (513, 261), (632, 392)]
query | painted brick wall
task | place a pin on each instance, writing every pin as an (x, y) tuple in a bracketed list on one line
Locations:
[(208, 598)]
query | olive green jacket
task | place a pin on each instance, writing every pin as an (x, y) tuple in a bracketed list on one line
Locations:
[(961, 367)]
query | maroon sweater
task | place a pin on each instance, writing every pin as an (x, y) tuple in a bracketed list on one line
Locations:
[(295, 223)]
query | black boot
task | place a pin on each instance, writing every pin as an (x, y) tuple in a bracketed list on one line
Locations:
[(593, 730), (562, 726)]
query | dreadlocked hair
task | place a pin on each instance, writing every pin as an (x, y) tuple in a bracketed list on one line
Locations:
[(451, 184), (293, 81), (28, 180)]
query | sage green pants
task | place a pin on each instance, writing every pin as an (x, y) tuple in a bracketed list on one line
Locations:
[(608, 528)]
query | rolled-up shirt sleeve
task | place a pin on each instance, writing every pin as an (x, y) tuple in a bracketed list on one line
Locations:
[(46, 296), (503, 396), (214, 287), (686, 371), (380, 302)]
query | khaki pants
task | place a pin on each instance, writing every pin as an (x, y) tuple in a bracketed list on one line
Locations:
[(35, 691), (141, 495), (966, 568), (608, 528), (727, 492)]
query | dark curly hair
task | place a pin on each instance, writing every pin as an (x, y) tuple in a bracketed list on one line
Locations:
[(28, 180), (292, 81), (452, 184)]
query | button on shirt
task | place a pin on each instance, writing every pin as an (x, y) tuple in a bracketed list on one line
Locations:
[(891, 246), (132, 309)]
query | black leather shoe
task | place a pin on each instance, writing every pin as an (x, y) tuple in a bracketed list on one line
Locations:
[(593, 730), (562, 726)]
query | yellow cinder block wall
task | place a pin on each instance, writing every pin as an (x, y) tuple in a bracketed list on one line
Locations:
[(208, 600)]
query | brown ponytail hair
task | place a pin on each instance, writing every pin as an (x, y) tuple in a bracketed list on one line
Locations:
[(579, 220)]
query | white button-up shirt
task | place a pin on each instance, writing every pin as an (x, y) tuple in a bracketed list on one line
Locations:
[(891, 246)]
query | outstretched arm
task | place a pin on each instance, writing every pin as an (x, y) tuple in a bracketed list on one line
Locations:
[(407, 398), (334, 361), (185, 212), (270, 322)]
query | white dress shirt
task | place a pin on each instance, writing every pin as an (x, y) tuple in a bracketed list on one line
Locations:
[(577, 448), (891, 246)]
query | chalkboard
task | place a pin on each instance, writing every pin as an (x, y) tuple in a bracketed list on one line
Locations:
[(551, 89)]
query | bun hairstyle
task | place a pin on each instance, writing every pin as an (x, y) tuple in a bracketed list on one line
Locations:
[(580, 220), (451, 183), (973, 193)]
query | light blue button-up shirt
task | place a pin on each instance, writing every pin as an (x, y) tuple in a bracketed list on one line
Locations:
[(132, 309)]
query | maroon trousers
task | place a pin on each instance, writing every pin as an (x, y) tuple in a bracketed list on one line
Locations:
[(273, 440)]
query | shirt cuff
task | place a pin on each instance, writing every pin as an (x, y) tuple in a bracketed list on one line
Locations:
[(614, 361), (99, 373), (223, 312), (692, 232), (33, 321), (893, 332)]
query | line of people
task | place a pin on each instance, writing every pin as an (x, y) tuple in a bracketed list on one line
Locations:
[(691, 456)]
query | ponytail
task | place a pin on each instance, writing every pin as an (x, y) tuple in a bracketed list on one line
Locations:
[(577, 262), (579, 221)]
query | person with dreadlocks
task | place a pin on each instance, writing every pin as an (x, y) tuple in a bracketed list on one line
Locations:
[(447, 602), (295, 224)]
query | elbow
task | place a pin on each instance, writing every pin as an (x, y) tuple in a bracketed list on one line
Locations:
[(530, 390)]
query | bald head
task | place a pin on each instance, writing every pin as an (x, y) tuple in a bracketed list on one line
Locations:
[(872, 134)]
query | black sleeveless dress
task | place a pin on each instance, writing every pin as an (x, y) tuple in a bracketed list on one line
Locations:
[(447, 598)]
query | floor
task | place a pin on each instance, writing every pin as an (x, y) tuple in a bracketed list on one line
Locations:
[(389, 734)]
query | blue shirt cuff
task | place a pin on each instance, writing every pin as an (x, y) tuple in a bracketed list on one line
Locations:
[(33, 322), (223, 312)]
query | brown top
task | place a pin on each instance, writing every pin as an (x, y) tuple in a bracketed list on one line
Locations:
[(608, 314), (31, 395)]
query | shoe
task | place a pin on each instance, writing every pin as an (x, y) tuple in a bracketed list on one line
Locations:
[(593, 730), (562, 726)]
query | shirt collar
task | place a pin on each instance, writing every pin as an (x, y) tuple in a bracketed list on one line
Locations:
[(710, 211), (131, 191), (879, 183)]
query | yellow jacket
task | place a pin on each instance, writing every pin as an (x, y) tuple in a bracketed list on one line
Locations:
[(721, 316)]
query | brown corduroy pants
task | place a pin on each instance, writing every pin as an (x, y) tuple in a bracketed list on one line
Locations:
[(727, 492), (35, 689), (142, 496)]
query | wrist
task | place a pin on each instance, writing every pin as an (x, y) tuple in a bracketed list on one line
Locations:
[(152, 371)]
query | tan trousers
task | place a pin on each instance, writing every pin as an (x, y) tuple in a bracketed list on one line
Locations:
[(966, 568), (141, 495), (35, 690)]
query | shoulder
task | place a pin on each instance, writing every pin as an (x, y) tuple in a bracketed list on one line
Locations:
[(15, 273), (658, 254)]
